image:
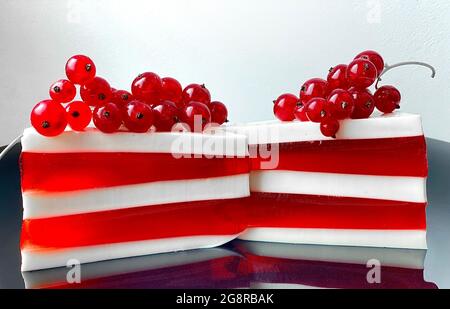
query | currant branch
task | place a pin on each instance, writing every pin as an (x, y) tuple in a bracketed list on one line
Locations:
[(400, 64)]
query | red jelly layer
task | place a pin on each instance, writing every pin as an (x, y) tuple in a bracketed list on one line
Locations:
[(403, 156), (310, 211), (217, 217), (219, 273), (55, 172), (332, 275)]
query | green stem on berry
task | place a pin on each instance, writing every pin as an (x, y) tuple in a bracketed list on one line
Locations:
[(390, 67)]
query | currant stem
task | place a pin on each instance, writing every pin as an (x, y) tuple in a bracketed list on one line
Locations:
[(400, 64)]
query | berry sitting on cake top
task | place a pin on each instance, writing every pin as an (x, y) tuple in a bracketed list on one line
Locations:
[(153, 102), (345, 94)]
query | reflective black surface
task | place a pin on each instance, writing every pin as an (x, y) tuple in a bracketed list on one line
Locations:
[(247, 264)]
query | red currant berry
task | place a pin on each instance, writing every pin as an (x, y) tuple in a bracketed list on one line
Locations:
[(80, 69), (313, 88), (341, 103), (147, 88), (387, 99), (165, 115), (79, 115), (196, 93), (329, 127), (337, 77), (48, 118), (373, 57), (284, 107), (364, 103), (62, 91), (317, 110), (361, 73), (107, 118), (171, 90), (300, 112), (196, 115), (138, 117), (121, 98), (219, 112), (96, 92)]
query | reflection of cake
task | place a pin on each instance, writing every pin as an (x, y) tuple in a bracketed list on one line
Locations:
[(207, 268), (313, 266), (366, 188), (91, 196)]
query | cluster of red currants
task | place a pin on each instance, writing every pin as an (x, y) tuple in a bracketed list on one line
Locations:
[(343, 95), (153, 102)]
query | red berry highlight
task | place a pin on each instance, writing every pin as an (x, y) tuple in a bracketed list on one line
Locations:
[(196, 93), (317, 110), (329, 127), (284, 107), (364, 103), (96, 92), (361, 73), (138, 117), (171, 90), (165, 116), (387, 99), (62, 91), (147, 87), (313, 88), (341, 103), (337, 78), (196, 115), (219, 112), (373, 57), (79, 115), (48, 118), (80, 69), (107, 118)]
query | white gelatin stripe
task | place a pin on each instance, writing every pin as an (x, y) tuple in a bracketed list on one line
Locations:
[(382, 126), (396, 188), (409, 239), (43, 204), (54, 276), (394, 257), (35, 259), (220, 143)]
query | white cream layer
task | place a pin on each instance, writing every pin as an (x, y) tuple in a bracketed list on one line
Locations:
[(378, 126), (393, 257), (35, 259), (49, 277), (396, 188), (215, 143), (42, 204), (408, 239)]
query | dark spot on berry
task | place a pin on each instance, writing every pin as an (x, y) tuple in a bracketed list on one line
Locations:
[(303, 88), (139, 115), (368, 104), (101, 96), (56, 89), (125, 97), (300, 104), (45, 124), (203, 120), (226, 120), (323, 113), (176, 119), (88, 67), (203, 86), (397, 106), (106, 114), (76, 114), (331, 69), (366, 66), (344, 105), (274, 101)]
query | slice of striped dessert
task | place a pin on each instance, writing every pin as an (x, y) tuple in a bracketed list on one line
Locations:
[(92, 196), (365, 188)]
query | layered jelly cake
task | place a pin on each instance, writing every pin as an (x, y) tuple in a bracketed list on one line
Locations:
[(278, 265), (204, 268), (367, 187), (91, 196)]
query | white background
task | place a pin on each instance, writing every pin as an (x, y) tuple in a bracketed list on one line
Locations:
[(246, 51)]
